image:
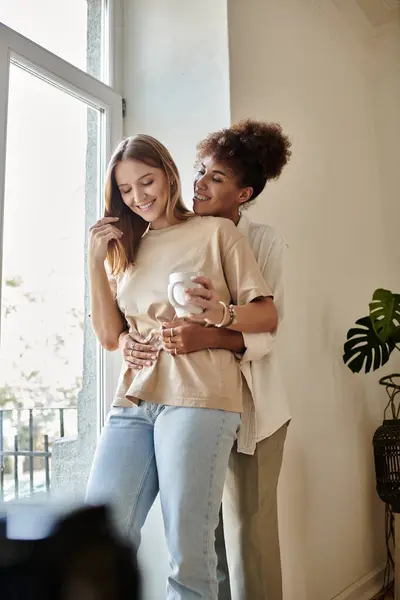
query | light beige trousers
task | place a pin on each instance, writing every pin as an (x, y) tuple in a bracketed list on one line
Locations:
[(247, 539)]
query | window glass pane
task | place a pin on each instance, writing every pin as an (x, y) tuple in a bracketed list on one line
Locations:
[(71, 29), (47, 353)]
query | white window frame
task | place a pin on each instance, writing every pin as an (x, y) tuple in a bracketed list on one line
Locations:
[(17, 49), (113, 70)]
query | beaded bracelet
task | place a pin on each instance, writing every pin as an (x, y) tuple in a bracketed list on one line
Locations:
[(228, 317)]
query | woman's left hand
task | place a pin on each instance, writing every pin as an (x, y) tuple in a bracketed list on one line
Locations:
[(181, 337), (207, 298)]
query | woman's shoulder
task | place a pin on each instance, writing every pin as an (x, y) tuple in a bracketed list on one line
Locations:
[(266, 234), (260, 233), (226, 227), (216, 230)]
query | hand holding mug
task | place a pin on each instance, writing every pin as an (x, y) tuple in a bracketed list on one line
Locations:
[(207, 299), (178, 284)]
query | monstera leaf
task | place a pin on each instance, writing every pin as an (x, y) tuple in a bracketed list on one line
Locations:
[(384, 311), (364, 349)]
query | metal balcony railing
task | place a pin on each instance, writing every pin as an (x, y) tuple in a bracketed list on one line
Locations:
[(25, 449)]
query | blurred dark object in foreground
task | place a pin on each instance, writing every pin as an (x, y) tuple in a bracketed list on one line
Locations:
[(82, 559)]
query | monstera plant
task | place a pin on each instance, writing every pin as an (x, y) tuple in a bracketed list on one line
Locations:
[(371, 341), (368, 347)]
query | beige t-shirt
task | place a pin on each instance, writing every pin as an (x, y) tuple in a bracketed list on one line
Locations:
[(208, 378)]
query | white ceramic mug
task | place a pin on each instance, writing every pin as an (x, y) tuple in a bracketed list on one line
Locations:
[(178, 283)]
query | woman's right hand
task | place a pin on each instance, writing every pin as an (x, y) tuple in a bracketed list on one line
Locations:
[(100, 235), (136, 351)]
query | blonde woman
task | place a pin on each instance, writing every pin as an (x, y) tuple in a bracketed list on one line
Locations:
[(173, 424)]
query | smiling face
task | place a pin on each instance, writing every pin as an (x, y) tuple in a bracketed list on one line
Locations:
[(145, 190), (216, 191)]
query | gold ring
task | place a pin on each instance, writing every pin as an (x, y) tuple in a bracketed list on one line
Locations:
[(172, 332)]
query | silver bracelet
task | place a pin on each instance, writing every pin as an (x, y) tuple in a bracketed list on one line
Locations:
[(225, 317)]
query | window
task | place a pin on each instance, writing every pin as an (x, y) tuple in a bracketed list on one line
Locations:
[(55, 24), (59, 125)]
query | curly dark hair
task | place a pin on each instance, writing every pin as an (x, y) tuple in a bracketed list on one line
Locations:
[(255, 151)]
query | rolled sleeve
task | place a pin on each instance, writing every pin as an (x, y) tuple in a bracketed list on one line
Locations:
[(259, 345), (242, 273)]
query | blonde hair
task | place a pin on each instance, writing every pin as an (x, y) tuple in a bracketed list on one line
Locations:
[(146, 149)]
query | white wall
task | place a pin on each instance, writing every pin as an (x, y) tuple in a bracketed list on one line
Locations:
[(176, 73), (385, 84), (295, 61), (313, 75)]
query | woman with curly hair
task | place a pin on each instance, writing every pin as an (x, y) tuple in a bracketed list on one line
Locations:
[(233, 167)]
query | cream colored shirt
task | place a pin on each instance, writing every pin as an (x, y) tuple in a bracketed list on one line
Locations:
[(208, 378), (265, 402)]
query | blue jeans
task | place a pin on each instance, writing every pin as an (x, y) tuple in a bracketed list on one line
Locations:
[(182, 453)]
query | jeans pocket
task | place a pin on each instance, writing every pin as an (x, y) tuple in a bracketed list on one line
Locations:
[(120, 417)]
